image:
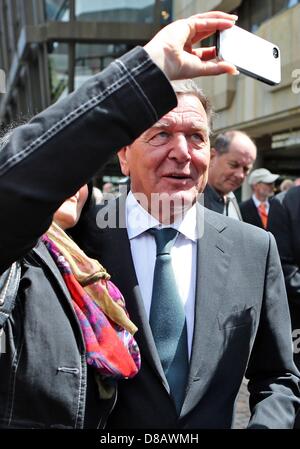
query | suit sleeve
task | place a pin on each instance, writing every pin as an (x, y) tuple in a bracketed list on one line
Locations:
[(61, 149), (281, 226), (273, 377)]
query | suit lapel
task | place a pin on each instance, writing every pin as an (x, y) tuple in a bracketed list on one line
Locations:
[(213, 258), (236, 206)]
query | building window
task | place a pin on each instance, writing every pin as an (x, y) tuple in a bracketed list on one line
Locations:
[(123, 11), (92, 58), (115, 11), (165, 11), (259, 13), (292, 3), (253, 13), (57, 10), (58, 70)]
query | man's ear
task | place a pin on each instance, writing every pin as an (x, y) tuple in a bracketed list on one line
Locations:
[(122, 155)]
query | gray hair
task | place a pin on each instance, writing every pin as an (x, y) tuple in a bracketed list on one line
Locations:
[(189, 86), (223, 140)]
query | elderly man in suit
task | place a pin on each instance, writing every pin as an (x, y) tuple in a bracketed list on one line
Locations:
[(284, 223), (206, 292), (255, 210), (232, 157)]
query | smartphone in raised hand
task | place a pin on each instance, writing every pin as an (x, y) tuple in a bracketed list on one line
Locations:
[(252, 55)]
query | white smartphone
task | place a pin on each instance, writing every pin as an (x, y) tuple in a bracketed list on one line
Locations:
[(251, 54)]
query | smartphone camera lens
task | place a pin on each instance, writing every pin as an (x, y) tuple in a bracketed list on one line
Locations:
[(275, 52)]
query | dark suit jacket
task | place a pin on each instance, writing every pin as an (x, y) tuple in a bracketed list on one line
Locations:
[(250, 213), (284, 223), (213, 201), (241, 318)]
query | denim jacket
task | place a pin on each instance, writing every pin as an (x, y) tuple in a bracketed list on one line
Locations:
[(44, 380)]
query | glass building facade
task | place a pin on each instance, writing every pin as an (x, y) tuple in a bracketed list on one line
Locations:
[(48, 48), (254, 12)]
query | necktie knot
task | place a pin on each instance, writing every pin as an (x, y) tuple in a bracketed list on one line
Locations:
[(262, 207), (164, 239)]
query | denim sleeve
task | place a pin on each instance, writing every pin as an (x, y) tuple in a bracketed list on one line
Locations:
[(59, 150)]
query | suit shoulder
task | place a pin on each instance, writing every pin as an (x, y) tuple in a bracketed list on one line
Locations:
[(235, 229), (292, 196), (286, 202), (278, 199), (246, 203)]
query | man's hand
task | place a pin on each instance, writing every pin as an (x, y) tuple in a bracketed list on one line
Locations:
[(172, 47)]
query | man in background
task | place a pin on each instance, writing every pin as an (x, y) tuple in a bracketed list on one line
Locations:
[(232, 157), (255, 210), (188, 276), (284, 223), (286, 185)]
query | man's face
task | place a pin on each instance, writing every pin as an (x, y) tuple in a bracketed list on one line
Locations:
[(263, 191), (171, 157), (228, 171), (69, 212)]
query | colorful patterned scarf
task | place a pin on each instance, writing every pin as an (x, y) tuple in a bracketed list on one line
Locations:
[(99, 306)]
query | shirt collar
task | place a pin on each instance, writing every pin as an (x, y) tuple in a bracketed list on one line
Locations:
[(138, 220), (258, 203), (219, 197), (230, 195)]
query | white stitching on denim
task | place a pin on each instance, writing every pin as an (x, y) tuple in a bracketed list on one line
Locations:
[(68, 119), (67, 370), (58, 126), (14, 386), (11, 272), (81, 391), (140, 66), (138, 87)]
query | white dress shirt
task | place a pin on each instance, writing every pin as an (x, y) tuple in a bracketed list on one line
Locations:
[(231, 210), (183, 253), (258, 203)]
